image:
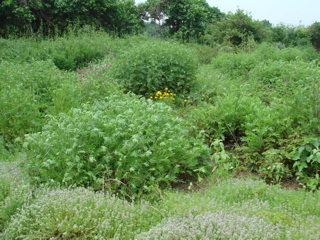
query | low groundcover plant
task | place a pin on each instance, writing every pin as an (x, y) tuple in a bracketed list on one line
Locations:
[(80, 214)]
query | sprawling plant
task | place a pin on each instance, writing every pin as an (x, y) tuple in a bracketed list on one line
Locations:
[(129, 145)]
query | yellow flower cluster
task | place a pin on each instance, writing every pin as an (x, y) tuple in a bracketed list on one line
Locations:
[(166, 94)]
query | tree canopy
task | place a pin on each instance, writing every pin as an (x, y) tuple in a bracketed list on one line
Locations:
[(187, 20), (52, 16)]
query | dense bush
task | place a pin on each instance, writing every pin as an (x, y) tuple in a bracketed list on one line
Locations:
[(153, 66), (314, 32), (25, 94), (130, 145), (307, 163), (88, 84), (234, 65), (205, 53), (263, 104), (240, 64), (76, 53)]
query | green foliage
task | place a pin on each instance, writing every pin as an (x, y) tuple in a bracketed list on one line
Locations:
[(25, 95), (314, 32), (263, 103), (128, 145), (152, 66), (230, 202), (153, 10), (14, 197), (235, 65), (188, 19), (235, 28), (55, 17), (14, 189), (221, 158), (78, 48), (205, 53), (80, 214), (290, 35), (307, 163), (242, 63), (88, 85), (19, 113), (73, 54)]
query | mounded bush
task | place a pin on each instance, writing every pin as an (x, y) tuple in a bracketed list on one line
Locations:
[(129, 145), (235, 65), (71, 55), (153, 66), (288, 73)]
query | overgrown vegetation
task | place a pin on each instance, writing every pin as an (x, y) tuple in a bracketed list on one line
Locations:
[(156, 65), (109, 138)]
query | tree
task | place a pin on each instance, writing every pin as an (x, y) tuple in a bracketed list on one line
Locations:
[(314, 32), (236, 28), (188, 18), (117, 16), (154, 10), (290, 35)]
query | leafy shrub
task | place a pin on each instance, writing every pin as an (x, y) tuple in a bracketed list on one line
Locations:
[(242, 63), (307, 163), (19, 113), (153, 66), (71, 54), (22, 50), (296, 84), (225, 119), (25, 94), (314, 30), (235, 65), (205, 53), (87, 85), (288, 72), (80, 214), (40, 77), (129, 145)]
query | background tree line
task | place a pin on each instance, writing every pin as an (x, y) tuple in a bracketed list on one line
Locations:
[(187, 20), (55, 16)]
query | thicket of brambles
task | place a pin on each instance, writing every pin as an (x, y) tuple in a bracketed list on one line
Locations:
[(101, 112)]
